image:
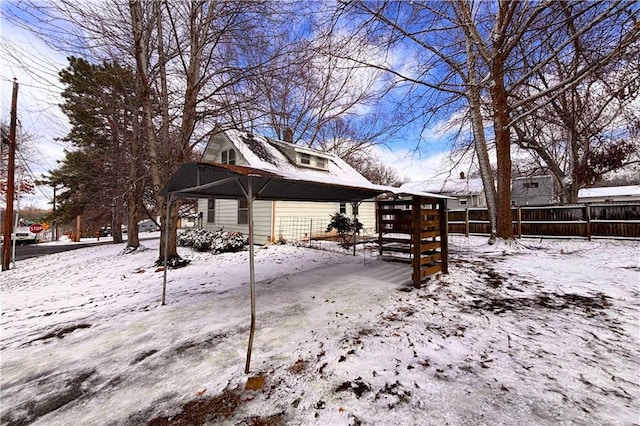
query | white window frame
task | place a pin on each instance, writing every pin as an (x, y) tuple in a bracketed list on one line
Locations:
[(211, 210), (243, 210), (305, 159), (228, 156)]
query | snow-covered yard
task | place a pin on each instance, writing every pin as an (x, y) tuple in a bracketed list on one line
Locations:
[(543, 333)]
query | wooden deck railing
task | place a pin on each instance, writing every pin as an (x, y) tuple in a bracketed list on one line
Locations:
[(414, 231)]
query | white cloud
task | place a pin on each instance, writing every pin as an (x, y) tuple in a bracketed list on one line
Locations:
[(35, 67), (415, 166)]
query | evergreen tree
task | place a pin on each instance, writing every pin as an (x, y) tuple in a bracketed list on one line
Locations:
[(103, 175)]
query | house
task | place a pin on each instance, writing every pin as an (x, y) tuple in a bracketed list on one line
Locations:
[(610, 194), (465, 192), (532, 191), (280, 220)]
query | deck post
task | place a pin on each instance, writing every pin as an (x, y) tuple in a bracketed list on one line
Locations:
[(587, 214), (415, 238), (466, 222), (444, 235), (379, 226)]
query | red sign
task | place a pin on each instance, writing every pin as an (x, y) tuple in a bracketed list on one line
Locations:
[(35, 228)]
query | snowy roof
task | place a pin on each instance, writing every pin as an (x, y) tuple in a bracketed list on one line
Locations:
[(450, 186), (278, 156), (273, 162), (610, 191)]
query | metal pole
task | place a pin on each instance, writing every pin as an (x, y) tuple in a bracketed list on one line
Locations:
[(354, 209), (15, 227), (166, 249), (252, 282)]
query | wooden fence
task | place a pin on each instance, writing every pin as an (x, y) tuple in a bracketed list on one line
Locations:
[(595, 220), (414, 231)]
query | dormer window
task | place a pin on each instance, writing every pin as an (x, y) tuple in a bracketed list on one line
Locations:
[(307, 159), (228, 157)]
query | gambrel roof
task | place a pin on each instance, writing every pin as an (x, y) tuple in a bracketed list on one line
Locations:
[(280, 157)]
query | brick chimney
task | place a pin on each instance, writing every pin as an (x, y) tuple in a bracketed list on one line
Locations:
[(287, 135)]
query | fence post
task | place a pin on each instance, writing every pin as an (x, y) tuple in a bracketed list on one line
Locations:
[(466, 222), (587, 213), (519, 222)]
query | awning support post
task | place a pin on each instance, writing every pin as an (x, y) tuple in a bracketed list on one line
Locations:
[(354, 208), (252, 281), (166, 249)]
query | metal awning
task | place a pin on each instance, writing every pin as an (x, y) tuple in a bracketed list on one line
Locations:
[(205, 179), (214, 180)]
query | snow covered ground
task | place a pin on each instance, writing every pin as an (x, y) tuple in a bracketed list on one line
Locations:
[(546, 332)]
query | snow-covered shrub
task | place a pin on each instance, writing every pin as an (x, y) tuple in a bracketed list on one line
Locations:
[(219, 241), (199, 239), (344, 226), (228, 242)]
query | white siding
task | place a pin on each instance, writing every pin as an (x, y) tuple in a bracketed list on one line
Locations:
[(367, 215), (219, 143), (227, 217), (295, 220)]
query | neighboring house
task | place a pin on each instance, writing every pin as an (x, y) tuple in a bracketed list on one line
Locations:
[(610, 194), (532, 191), (280, 220), (464, 191)]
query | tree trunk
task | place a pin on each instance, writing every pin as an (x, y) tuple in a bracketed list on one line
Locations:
[(116, 223), (486, 171), (502, 134), (142, 65), (480, 142), (132, 218)]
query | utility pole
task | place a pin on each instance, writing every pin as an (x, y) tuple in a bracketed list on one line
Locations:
[(11, 169)]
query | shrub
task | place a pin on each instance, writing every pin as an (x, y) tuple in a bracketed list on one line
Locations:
[(344, 226), (219, 241)]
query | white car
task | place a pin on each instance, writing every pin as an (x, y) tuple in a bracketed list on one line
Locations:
[(24, 236)]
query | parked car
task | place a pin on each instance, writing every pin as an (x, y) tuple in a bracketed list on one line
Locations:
[(105, 231), (22, 235), (147, 226)]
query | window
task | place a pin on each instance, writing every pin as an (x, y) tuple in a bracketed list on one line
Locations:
[(243, 212), (463, 202), (229, 157), (321, 163), (305, 159), (211, 210), (343, 208), (529, 185)]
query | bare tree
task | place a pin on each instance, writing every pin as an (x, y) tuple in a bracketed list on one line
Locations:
[(588, 130), (476, 55), (196, 59), (305, 81), (439, 41)]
